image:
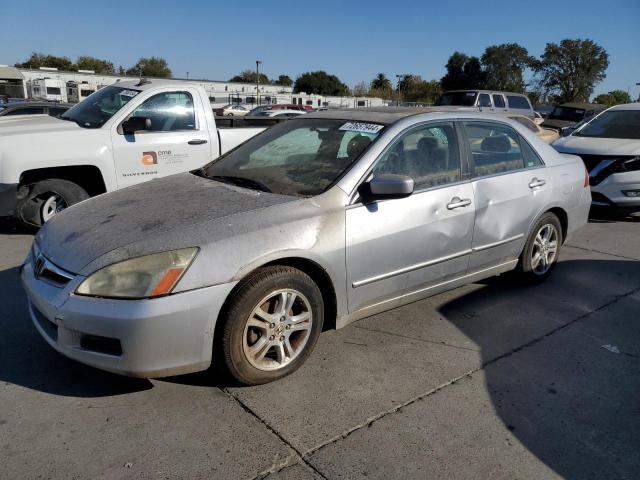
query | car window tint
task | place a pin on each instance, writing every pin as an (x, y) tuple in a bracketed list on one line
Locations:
[(498, 101), (527, 123), (168, 111), (495, 148), (531, 158), (429, 154), (54, 112), (517, 101), (485, 100), (26, 111)]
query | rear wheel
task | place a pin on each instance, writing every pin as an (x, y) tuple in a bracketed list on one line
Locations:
[(271, 325), (542, 249), (40, 201)]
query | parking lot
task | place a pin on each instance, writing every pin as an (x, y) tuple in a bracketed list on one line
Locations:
[(491, 380)]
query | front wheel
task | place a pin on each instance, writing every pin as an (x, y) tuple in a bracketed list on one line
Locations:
[(541, 252), (271, 325), (40, 201)]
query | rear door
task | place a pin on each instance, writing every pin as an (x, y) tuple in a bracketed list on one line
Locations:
[(177, 142), (400, 246), (510, 189)]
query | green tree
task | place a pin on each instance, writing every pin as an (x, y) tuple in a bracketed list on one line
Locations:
[(37, 60), (463, 72), (416, 90), (570, 70), (320, 83), (615, 97), (150, 67), (504, 66), (284, 80), (381, 82), (249, 76), (86, 62)]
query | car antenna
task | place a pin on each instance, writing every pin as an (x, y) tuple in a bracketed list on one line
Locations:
[(143, 81)]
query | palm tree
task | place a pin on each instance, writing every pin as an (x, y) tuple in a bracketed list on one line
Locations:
[(381, 82)]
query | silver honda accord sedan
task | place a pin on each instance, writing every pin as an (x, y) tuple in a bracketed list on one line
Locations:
[(319, 221)]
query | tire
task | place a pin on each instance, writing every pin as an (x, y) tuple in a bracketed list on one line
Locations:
[(39, 201), (256, 348), (544, 244)]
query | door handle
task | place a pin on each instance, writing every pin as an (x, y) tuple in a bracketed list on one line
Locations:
[(457, 202), (536, 182), (196, 142)]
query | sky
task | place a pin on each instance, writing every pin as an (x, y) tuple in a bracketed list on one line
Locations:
[(353, 40)]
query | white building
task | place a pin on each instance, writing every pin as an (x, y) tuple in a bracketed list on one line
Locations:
[(220, 93)]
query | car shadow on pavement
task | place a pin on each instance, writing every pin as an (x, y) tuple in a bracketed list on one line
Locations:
[(568, 392), (27, 360), (11, 226)]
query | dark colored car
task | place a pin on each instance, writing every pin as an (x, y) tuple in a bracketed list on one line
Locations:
[(570, 114), (34, 108)]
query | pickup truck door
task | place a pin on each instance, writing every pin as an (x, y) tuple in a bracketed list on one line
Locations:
[(178, 140)]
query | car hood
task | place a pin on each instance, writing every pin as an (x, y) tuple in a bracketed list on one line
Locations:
[(597, 146), (34, 124), (179, 211)]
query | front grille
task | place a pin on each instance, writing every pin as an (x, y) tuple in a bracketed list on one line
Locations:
[(47, 271), (599, 171)]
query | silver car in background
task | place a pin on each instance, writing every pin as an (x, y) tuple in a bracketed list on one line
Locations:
[(321, 220), (609, 145)]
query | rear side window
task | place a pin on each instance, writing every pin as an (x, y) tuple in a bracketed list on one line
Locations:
[(495, 148), (498, 101), (168, 111), (485, 100), (531, 158), (516, 101), (429, 154)]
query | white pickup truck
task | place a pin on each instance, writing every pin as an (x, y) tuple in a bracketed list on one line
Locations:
[(121, 135)]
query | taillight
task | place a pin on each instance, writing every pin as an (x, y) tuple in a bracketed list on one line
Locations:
[(586, 178)]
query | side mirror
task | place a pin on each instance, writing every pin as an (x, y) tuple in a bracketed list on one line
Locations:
[(387, 185), (136, 124)]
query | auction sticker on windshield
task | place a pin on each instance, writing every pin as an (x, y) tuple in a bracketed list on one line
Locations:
[(361, 127), (129, 93)]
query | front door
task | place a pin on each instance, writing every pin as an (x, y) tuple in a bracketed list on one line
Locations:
[(178, 141), (399, 246)]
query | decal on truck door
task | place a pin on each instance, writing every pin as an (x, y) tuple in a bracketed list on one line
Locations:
[(149, 158)]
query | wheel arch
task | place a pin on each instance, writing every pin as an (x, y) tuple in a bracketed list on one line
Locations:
[(89, 177)]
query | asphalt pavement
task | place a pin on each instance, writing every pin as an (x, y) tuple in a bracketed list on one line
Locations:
[(492, 380)]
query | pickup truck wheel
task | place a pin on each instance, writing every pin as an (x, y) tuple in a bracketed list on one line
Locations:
[(40, 201), (270, 325), (541, 252)]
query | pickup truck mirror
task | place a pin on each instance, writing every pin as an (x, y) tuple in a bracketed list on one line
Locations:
[(387, 185), (136, 124)]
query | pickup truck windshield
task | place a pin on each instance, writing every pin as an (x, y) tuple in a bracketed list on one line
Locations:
[(299, 157), (99, 107), (457, 99), (613, 124), (567, 113)]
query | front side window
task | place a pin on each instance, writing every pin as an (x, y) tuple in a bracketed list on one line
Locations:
[(168, 112), (495, 148), (429, 154), (299, 157), (613, 124)]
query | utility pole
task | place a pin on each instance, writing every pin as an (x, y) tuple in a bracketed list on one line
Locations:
[(258, 62), (638, 93), (399, 77)]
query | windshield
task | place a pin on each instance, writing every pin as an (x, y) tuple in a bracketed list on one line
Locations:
[(298, 157), (100, 106), (567, 113), (458, 99), (613, 124)]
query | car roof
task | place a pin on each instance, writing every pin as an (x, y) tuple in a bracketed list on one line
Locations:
[(626, 106), (383, 115), (13, 105), (479, 90), (582, 105)]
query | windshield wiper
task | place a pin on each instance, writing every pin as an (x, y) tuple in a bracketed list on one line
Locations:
[(241, 182)]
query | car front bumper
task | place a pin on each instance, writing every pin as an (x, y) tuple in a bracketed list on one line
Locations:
[(8, 199), (147, 338), (610, 192)]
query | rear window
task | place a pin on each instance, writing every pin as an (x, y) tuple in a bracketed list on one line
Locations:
[(569, 114), (53, 91), (457, 99), (516, 101)]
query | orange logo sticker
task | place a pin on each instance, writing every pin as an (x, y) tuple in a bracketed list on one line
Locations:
[(149, 158)]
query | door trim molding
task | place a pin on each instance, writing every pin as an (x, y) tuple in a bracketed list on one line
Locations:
[(498, 243)]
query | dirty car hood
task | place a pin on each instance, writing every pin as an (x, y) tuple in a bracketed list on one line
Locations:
[(154, 216)]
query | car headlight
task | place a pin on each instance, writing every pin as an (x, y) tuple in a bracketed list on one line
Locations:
[(142, 277)]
